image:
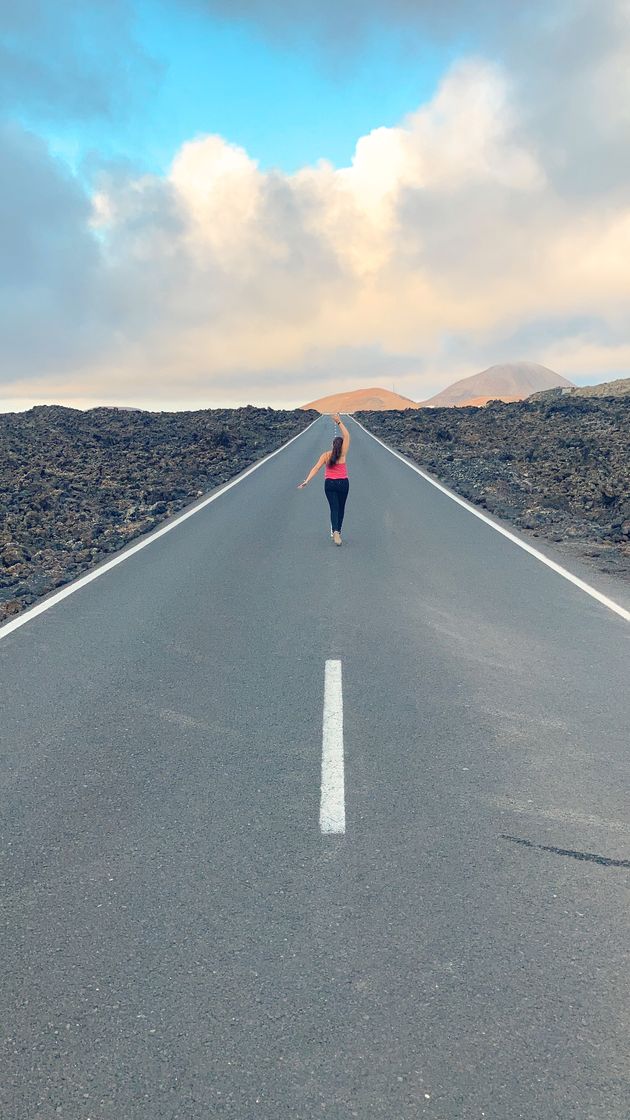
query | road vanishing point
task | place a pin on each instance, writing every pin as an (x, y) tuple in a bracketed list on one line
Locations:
[(292, 831)]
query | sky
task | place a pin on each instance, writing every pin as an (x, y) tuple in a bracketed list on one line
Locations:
[(210, 203)]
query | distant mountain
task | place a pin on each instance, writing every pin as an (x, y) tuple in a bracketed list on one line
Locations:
[(512, 381), (366, 400)]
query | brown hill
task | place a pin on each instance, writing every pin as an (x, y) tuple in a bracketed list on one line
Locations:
[(367, 400), (512, 381)]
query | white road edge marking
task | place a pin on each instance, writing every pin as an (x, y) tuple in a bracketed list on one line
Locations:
[(332, 808), (586, 587), (69, 589)]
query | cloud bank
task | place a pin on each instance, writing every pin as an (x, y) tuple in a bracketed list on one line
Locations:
[(492, 223)]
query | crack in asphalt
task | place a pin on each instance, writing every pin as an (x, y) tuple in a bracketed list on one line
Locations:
[(591, 857)]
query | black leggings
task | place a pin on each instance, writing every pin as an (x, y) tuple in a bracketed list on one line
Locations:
[(336, 490)]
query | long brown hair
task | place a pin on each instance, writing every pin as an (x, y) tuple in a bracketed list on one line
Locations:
[(336, 450)]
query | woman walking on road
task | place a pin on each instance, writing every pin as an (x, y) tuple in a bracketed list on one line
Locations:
[(336, 484)]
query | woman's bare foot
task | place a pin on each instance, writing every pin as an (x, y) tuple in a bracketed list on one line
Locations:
[(337, 537)]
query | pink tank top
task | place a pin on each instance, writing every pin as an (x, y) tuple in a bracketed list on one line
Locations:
[(337, 470)]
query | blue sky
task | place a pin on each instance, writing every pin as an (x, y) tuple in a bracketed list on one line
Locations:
[(288, 103)]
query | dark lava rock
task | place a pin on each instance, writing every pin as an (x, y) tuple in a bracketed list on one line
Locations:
[(558, 467), (76, 486)]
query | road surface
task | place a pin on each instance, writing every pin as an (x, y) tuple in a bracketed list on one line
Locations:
[(182, 941)]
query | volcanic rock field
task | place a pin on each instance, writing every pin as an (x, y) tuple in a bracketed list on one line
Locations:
[(559, 469), (76, 486)]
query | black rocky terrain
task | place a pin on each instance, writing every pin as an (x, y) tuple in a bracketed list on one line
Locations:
[(558, 469), (76, 486)]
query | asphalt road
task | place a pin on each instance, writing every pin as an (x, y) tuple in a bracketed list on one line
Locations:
[(181, 942)]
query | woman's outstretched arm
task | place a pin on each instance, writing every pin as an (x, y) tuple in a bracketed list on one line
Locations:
[(320, 462)]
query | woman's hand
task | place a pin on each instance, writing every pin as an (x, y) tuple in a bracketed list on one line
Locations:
[(301, 485), (337, 418)]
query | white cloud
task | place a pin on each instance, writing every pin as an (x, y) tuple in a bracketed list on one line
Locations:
[(446, 237)]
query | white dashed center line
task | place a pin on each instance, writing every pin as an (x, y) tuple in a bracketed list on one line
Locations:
[(332, 809)]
